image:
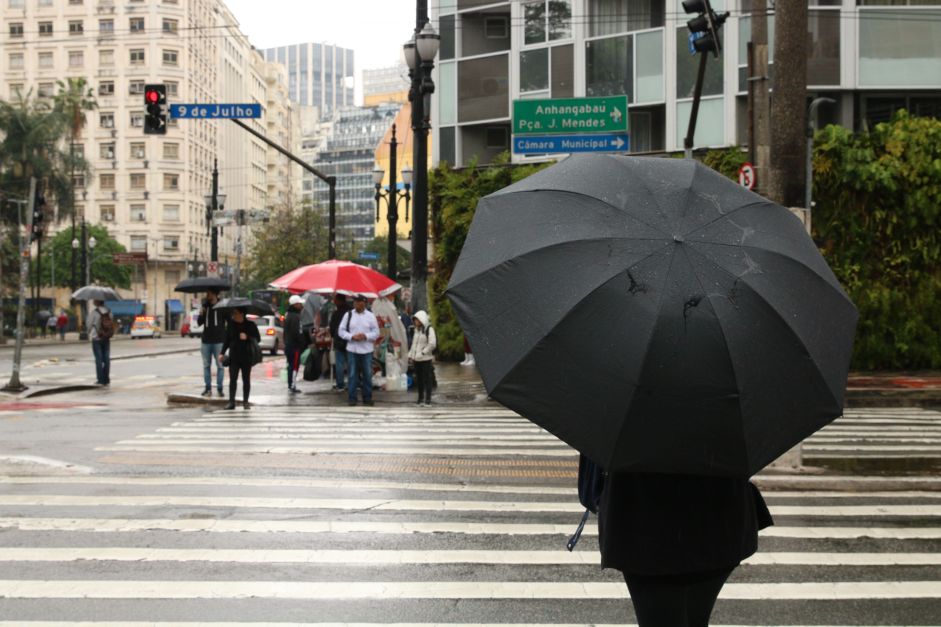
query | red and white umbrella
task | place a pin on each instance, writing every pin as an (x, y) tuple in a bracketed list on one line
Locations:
[(335, 276)]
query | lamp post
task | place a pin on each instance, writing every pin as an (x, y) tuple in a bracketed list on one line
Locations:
[(91, 257), (420, 55), (392, 201), (811, 115), (214, 202), (78, 246)]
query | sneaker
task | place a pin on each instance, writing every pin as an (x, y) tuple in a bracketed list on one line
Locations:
[(246, 405), (427, 403), (419, 403), (294, 390), (207, 392), (220, 393), (351, 403), (368, 403), (231, 405)]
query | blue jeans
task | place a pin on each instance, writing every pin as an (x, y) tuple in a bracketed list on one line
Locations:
[(340, 366), (102, 352), (360, 365), (210, 354)]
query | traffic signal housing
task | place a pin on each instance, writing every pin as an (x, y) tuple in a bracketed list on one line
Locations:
[(155, 109), (39, 216), (705, 27)]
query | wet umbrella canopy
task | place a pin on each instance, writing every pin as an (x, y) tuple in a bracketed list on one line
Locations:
[(250, 305), (199, 284), (654, 315), (95, 292)]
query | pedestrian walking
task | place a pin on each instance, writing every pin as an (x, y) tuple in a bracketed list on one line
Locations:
[(42, 318), (421, 355), (51, 322), (100, 330), (676, 539), (360, 329), (294, 340), (213, 323), (62, 323), (339, 344), (237, 352)]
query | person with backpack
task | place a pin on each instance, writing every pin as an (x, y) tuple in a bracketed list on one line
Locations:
[(100, 331), (360, 329), (421, 355)]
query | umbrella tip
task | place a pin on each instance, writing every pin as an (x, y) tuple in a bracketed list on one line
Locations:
[(679, 239)]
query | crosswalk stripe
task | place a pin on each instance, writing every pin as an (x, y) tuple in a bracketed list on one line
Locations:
[(293, 624), (135, 445), (388, 590), (110, 525), (395, 557), (416, 505)]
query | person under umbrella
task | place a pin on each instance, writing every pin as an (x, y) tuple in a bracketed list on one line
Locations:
[(360, 329), (100, 329), (293, 340), (213, 323), (239, 333)]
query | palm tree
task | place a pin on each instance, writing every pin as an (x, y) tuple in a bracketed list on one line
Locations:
[(71, 102)]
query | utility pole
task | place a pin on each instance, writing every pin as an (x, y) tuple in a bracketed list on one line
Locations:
[(786, 184), (14, 384), (214, 246), (759, 143)]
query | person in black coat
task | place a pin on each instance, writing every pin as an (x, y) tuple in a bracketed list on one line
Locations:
[(294, 340), (239, 332), (676, 539)]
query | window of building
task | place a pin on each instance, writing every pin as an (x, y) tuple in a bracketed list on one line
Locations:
[(483, 88), (173, 88), (46, 90), (171, 213), (484, 32), (106, 180), (137, 119), (608, 17), (45, 29), (76, 27), (106, 57), (107, 213), (546, 20), (137, 56), (170, 26), (16, 30), (78, 181), (76, 2), (899, 47), (534, 70), (823, 58), (106, 151), (46, 61), (562, 71), (16, 4), (136, 24), (105, 27), (138, 213), (687, 66), (135, 88), (106, 120), (139, 243), (78, 150), (172, 276), (138, 180), (650, 81), (76, 58), (16, 89), (42, 3), (171, 181), (106, 88), (609, 66), (446, 49), (171, 243), (171, 151), (447, 88), (16, 61), (138, 150), (170, 57)]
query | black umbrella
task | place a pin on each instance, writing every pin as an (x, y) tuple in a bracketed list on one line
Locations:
[(250, 305), (202, 284), (95, 292), (654, 315)]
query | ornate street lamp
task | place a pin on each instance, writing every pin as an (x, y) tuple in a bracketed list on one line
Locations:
[(392, 201)]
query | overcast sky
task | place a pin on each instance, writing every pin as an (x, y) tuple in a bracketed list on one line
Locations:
[(375, 29)]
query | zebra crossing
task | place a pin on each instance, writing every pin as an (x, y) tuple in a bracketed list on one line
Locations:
[(444, 516)]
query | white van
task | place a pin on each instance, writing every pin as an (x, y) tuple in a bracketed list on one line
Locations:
[(196, 330)]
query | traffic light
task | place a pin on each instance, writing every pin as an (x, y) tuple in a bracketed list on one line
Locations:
[(39, 215), (155, 111), (705, 27)]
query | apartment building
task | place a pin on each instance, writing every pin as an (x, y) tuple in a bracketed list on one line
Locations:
[(872, 56), (148, 190)]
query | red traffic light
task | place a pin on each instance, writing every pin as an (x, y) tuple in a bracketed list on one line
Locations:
[(151, 96)]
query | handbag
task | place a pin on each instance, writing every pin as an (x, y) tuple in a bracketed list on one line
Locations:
[(255, 351)]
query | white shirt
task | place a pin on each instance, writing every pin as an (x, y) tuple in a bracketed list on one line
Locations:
[(359, 323)]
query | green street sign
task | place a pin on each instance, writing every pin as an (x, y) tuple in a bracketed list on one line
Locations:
[(607, 114)]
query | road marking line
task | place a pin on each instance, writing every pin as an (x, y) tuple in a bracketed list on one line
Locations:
[(390, 590), (424, 556), (449, 452), (492, 440), (269, 624)]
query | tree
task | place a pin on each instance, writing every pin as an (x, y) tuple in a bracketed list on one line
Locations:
[(380, 246), (293, 237), (103, 270)]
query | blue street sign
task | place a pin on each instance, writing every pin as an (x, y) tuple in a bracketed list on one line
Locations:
[(363, 254), (693, 37), (214, 111), (534, 145)]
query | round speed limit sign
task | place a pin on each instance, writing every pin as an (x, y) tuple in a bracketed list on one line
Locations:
[(746, 176)]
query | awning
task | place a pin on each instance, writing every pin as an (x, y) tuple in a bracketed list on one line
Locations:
[(174, 306), (125, 307)]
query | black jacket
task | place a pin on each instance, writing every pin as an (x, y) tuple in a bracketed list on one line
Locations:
[(293, 336), (654, 524), (338, 313), (239, 352), (213, 324)]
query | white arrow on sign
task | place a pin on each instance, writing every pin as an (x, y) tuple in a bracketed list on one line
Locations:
[(223, 220), (616, 115), (618, 143)]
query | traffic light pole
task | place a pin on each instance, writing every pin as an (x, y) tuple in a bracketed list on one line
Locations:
[(214, 242), (14, 384), (329, 180), (694, 113)]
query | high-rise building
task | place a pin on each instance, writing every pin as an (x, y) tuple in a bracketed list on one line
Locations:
[(148, 190), (385, 84), (319, 75)]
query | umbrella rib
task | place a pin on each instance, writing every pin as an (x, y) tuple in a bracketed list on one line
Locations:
[(726, 215), (772, 309)]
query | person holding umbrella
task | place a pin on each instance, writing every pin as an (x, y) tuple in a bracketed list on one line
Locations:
[(100, 330), (360, 329), (213, 323), (294, 341), (239, 333)]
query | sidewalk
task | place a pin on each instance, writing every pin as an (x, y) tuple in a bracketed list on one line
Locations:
[(891, 389), (70, 338)]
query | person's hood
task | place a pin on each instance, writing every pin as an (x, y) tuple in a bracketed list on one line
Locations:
[(422, 317)]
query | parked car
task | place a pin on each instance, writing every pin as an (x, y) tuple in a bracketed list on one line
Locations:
[(145, 326), (195, 329), (271, 330)]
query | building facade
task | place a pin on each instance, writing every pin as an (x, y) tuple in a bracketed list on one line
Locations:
[(148, 190), (872, 56), (319, 75), (385, 84)]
